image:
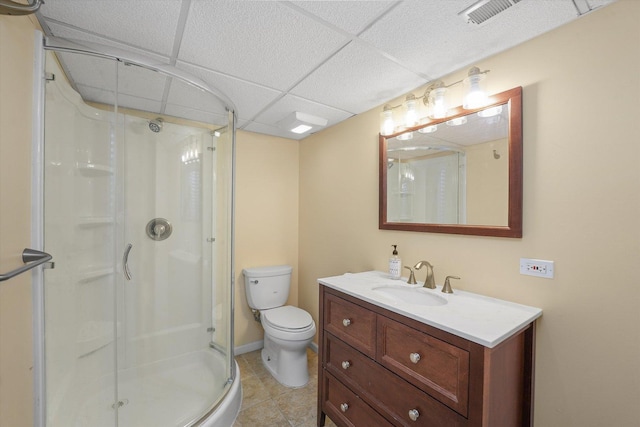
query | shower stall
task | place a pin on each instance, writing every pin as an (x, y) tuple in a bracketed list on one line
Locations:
[(133, 198)]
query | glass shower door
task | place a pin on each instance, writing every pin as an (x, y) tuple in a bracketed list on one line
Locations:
[(138, 328), (80, 204)]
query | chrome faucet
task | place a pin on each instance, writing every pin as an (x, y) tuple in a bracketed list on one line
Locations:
[(429, 281)]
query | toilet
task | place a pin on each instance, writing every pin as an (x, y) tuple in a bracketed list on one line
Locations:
[(288, 330)]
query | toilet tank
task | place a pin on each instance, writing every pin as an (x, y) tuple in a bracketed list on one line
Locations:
[(267, 287)]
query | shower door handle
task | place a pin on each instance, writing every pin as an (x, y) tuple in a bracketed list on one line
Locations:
[(31, 258), (125, 262)]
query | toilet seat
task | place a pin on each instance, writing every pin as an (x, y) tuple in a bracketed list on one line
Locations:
[(288, 323), (287, 318)]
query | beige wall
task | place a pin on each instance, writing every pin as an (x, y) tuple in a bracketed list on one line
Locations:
[(581, 209), (16, 82), (266, 228)]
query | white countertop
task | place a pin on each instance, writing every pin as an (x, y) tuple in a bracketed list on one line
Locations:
[(483, 320)]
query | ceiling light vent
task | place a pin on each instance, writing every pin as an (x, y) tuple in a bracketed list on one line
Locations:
[(483, 10)]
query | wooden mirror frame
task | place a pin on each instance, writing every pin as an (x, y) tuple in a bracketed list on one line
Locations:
[(513, 99)]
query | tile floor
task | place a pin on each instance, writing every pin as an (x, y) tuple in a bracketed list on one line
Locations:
[(267, 403)]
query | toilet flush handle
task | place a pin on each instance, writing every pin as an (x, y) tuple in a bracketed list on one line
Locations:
[(255, 282)]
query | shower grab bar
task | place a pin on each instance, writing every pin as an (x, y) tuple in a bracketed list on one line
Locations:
[(8, 7), (125, 262), (32, 258)]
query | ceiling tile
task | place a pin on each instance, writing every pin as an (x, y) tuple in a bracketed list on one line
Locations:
[(196, 115), (272, 130), (186, 95), (90, 71), (351, 16), (288, 104), (138, 81), (263, 42), (249, 99), (147, 24), (430, 37), (328, 58), (73, 34), (369, 79)]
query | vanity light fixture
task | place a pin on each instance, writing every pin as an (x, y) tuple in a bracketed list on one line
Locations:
[(434, 98), (300, 123)]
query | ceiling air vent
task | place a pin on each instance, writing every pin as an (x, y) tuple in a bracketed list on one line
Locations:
[(483, 10)]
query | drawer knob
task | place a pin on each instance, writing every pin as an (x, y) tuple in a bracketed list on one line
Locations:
[(414, 414), (346, 322), (414, 357), (346, 364), (344, 407)]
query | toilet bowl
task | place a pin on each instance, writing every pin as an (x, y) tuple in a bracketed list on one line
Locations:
[(288, 330)]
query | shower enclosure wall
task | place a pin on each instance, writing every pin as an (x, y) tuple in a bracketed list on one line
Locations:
[(137, 200)]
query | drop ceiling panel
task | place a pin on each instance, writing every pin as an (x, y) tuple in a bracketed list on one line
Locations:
[(283, 107), (137, 81), (90, 71), (196, 115), (186, 95), (262, 42), (138, 103), (147, 24), (350, 16), (73, 34), (271, 58), (249, 98), (432, 38), (356, 79)]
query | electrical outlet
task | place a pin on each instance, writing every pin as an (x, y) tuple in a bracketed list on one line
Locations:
[(536, 267)]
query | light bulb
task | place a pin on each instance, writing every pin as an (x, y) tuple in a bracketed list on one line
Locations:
[(387, 121), (437, 103), (475, 96), (411, 115)]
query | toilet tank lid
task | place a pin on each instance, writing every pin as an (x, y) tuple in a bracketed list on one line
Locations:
[(274, 270)]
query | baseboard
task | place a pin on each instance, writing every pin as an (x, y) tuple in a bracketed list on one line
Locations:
[(248, 348)]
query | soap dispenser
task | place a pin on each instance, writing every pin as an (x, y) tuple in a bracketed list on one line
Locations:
[(395, 264)]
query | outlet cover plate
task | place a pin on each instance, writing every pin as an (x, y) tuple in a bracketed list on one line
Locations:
[(537, 267)]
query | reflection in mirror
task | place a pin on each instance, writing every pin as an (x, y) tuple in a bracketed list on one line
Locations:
[(457, 175)]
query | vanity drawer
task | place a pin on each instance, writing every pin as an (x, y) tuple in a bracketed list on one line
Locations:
[(347, 409), (351, 323), (435, 366), (394, 397)]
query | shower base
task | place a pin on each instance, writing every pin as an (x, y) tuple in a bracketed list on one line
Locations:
[(164, 394)]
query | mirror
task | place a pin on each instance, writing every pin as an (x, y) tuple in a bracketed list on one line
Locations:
[(459, 175)]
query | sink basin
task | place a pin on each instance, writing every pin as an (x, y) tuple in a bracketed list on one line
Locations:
[(419, 296)]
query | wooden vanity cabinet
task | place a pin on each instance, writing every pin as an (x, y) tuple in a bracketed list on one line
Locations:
[(379, 368)]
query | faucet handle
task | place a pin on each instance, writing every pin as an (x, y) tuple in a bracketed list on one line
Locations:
[(447, 286), (412, 277), (421, 264)]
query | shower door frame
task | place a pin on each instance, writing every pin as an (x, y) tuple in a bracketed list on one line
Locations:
[(41, 45)]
